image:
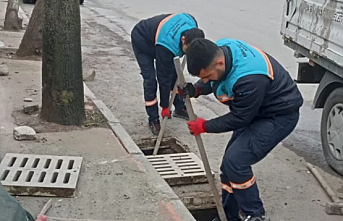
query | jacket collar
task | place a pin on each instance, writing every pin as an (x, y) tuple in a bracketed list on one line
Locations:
[(228, 61)]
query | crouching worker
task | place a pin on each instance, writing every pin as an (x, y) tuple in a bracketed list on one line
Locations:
[(161, 38), (264, 107)]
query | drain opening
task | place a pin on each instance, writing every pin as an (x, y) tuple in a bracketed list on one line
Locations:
[(16, 176), (41, 177), (66, 178), (163, 167), (29, 176), (71, 164), (168, 145), (184, 162), (192, 168), (12, 161), (188, 165), (35, 163), (59, 164), (204, 214), (23, 163), (47, 163), (4, 175), (54, 177)]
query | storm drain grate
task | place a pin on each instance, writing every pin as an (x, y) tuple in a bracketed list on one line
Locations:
[(180, 168), (40, 175)]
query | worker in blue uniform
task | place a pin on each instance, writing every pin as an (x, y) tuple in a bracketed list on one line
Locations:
[(264, 107), (161, 38)]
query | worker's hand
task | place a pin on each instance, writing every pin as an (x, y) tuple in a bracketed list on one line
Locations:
[(166, 113), (196, 127), (41, 217), (187, 88)]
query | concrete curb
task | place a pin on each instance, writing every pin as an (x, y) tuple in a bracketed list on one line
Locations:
[(154, 178)]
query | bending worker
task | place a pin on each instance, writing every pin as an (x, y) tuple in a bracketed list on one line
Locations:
[(162, 37), (264, 107)]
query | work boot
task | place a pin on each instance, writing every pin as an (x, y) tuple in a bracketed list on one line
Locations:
[(155, 127), (181, 113), (256, 218), (217, 219)]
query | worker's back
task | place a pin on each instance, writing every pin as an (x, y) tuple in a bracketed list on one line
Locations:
[(148, 27)]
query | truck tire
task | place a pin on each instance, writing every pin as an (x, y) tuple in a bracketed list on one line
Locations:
[(332, 130)]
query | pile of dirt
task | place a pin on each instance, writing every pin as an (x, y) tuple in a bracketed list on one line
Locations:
[(11, 54), (94, 118)]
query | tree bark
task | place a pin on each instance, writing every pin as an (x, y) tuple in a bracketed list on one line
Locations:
[(62, 92), (32, 43), (12, 21)]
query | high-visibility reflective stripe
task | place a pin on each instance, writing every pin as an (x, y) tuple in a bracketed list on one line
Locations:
[(151, 103), (224, 98), (226, 188), (243, 186), (160, 25), (269, 65), (266, 59)]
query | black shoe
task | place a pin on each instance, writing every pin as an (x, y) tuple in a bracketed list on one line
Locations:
[(217, 219), (181, 113), (155, 127), (256, 218)]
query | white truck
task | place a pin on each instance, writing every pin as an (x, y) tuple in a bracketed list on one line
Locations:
[(314, 29)]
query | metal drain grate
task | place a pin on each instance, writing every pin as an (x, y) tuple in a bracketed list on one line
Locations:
[(40, 175), (180, 168)]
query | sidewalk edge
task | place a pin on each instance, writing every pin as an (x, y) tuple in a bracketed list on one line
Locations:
[(159, 183)]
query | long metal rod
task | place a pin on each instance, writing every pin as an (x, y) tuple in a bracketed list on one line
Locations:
[(335, 208), (164, 121), (323, 183), (200, 144)]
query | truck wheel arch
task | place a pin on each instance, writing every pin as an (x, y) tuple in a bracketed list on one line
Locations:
[(328, 83)]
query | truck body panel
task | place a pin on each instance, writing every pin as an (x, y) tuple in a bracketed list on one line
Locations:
[(317, 26)]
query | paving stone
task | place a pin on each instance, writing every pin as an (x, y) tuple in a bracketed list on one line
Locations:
[(28, 99), (24, 133), (30, 108), (4, 70)]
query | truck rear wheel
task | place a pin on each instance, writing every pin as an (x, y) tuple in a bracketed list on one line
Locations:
[(332, 130)]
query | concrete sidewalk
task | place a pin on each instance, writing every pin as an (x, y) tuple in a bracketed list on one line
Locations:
[(113, 184)]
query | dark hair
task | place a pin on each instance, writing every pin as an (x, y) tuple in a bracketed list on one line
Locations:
[(192, 34), (201, 52)]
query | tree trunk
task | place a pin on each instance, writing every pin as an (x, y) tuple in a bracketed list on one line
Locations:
[(32, 42), (62, 92), (12, 21)]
